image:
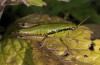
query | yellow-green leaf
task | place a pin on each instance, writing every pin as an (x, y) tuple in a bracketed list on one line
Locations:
[(36, 2)]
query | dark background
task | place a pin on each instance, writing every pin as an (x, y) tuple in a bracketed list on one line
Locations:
[(75, 11)]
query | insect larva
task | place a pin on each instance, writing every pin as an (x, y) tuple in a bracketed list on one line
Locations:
[(47, 29)]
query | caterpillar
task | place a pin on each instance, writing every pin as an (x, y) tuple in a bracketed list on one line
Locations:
[(47, 29)]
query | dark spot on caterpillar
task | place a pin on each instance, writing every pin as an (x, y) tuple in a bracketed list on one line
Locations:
[(60, 30), (85, 55), (21, 24), (27, 25), (20, 36), (91, 46)]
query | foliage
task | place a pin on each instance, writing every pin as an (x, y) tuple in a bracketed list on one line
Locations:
[(65, 47), (39, 39), (74, 10)]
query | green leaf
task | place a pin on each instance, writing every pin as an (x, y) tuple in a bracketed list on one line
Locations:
[(65, 0), (36, 2), (81, 9)]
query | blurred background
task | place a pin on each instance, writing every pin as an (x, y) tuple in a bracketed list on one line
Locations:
[(72, 10)]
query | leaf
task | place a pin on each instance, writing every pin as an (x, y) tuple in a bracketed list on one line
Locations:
[(36, 2), (13, 52), (54, 50), (97, 45), (83, 11), (95, 29), (65, 0), (43, 56)]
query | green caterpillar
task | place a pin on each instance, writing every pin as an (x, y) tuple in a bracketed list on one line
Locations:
[(47, 29)]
